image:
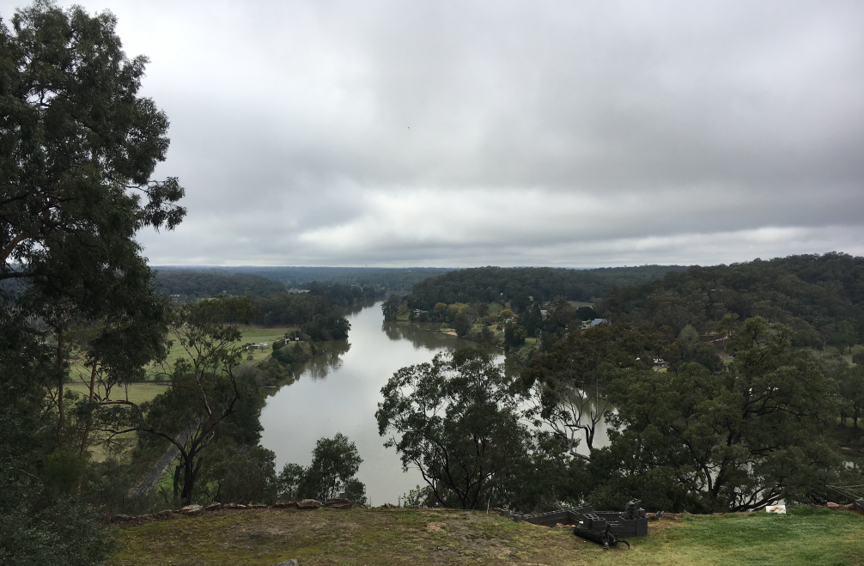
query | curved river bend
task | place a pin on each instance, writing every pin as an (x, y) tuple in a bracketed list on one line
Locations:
[(340, 392)]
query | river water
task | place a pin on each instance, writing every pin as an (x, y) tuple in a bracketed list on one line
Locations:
[(340, 391)]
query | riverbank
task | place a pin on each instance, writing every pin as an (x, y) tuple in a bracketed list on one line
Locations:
[(430, 536)]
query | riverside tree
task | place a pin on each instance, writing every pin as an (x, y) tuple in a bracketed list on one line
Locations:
[(204, 390), (570, 384), (735, 440), (335, 462), (78, 147), (456, 420)]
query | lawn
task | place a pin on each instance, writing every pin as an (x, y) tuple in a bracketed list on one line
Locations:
[(251, 334), (137, 392), (405, 536)]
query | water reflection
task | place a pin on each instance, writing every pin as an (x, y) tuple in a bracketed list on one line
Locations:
[(421, 335), (339, 391), (328, 358)]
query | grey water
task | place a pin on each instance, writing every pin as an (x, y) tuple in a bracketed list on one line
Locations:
[(340, 389), (339, 392)]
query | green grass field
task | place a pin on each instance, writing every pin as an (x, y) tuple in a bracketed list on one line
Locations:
[(137, 392), (406, 536), (251, 334)]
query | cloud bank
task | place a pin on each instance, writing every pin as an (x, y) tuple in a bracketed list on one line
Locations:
[(505, 133)]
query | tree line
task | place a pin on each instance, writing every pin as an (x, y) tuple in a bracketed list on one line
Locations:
[(393, 279), (194, 284), (682, 436), (488, 284), (821, 297)]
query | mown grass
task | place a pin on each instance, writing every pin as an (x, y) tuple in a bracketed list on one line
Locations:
[(137, 392), (158, 372), (250, 334), (405, 536)]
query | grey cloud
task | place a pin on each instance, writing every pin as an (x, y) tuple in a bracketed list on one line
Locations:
[(430, 133)]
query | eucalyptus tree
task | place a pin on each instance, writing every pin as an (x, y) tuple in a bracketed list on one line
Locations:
[(570, 384), (78, 147), (457, 421), (204, 391), (731, 441)]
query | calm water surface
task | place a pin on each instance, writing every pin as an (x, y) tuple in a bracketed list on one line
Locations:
[(340, 392)]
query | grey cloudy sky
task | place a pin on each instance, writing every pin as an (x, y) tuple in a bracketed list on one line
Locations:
[(445, 133)]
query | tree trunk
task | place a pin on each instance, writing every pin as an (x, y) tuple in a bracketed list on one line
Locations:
[(176, 483), (90, 414), (188, 480), (61, 417)]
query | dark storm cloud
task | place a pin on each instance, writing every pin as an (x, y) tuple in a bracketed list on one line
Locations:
[(474, 133)]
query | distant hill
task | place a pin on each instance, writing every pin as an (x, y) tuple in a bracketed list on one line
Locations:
[(820, 296), (486, 284), (394, 279), (209, 283)]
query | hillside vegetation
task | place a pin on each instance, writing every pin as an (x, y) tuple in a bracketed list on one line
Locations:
[(820, 297), (395, 279), (191, 283), (439, 536), (488, 284)]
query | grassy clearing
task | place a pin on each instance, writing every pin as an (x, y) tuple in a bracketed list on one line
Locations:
[(137, 392), (251, 334), (405, 536)]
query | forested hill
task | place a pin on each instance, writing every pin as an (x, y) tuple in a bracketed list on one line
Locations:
[(201, 284), (487, 284), (395, 279), (820, 297)]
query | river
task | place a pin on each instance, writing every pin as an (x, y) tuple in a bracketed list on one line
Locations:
[(340, 391)]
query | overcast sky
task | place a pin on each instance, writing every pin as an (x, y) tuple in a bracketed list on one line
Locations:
[(466, 133)]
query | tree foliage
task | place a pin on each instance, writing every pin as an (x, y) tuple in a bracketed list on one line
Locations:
[(455, 420), (488, 284), (571, 383), (78, 147), (729, 441), (333, 471), (318, 318), (821, 298), (205, 284), (204, 390)]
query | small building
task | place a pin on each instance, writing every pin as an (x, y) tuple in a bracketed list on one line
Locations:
[(595, 322)]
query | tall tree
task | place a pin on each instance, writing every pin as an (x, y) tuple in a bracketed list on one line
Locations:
[(78, 147), (736, 440), (457, 422), (77, 150), (571, 383)]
